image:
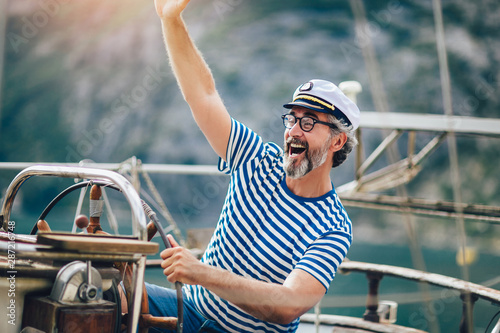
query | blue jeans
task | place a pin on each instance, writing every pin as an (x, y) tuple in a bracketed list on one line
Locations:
[(163, 303)]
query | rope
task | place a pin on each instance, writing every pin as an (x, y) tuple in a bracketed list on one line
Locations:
[(164, 210), (452, 144), (113, 224), (78, 211), (381, 105)]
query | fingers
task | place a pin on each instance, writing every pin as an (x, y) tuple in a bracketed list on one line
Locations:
[(167, 253), (171, 257), (167, 263), (170, 8), (173, 263), (172, 241), (168, 272)]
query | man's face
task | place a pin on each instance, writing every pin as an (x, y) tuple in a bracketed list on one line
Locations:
[(305, 151)]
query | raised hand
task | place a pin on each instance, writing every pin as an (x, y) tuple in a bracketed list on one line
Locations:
[(170, 8)]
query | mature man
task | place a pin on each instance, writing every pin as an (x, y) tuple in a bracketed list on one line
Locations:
[(282, 232)]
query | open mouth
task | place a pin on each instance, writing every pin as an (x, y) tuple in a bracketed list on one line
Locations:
[(296, 149)]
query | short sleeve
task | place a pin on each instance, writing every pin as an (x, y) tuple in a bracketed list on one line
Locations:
[(324, 256), (243, 146)]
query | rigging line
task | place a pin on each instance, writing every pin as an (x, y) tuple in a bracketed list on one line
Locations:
[(164, 210), (452, 147), (131, 169), (381, 105), (452, 144), (113, 223), (362, 29), (491, 282), (155, 205)]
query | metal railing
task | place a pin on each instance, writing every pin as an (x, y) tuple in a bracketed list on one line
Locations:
[(469, 292)]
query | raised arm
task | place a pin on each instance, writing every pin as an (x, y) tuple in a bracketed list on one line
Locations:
[(193, 76)]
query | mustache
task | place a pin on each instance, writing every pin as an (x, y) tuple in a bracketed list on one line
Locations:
[(291, 140)]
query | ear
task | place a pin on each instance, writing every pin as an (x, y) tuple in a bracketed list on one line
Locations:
[(338, 142)]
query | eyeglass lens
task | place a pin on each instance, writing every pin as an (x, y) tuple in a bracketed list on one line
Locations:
[(306, 123)]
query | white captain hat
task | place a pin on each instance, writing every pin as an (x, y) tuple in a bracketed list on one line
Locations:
[(324, 96)]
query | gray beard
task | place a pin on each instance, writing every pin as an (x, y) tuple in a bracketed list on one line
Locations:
[(312, 160)]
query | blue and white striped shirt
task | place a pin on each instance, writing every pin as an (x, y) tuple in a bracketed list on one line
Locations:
[(265, 231)]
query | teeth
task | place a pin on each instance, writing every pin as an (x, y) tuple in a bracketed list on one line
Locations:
[(294, 146)]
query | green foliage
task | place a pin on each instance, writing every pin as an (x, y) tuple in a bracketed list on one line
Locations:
[(76, 88)]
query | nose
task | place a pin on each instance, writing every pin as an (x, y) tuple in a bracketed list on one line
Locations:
[(295, 131)]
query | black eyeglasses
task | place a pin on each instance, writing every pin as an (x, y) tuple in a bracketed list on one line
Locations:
[(306, 123)]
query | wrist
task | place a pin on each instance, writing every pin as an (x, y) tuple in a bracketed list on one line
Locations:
[(170, 19), (210, 276), (170, 23)]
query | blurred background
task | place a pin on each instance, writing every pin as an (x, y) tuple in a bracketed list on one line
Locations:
[(90, 80)]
